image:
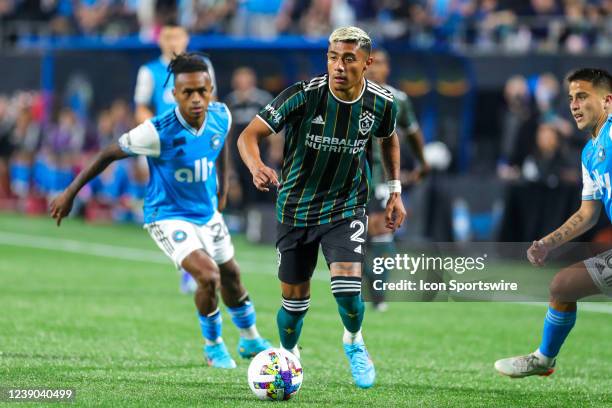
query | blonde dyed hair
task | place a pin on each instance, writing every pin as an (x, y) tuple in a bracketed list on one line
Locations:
[(353, 35)]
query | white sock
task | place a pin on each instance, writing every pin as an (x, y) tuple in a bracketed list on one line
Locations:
[(219, 340), (352, 338), (543, 359), (295, 351), (250, 333)]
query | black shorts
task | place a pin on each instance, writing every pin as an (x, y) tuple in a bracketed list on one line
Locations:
[(298, 247)]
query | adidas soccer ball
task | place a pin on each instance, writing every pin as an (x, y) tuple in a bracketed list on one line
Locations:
[(275, 375)]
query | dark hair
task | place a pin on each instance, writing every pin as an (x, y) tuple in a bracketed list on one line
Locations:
[(186, 62), (599, 78)]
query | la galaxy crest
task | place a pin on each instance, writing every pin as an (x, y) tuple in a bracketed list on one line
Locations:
[(366, 121)]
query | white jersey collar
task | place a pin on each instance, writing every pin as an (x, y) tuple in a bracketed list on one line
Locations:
[(365, 84)]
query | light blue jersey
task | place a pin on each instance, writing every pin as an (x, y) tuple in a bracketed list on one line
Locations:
[(150, 89), (183, 176), (597, 167)]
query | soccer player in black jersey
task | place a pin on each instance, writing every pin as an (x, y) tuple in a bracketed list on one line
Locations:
[(324, 185)]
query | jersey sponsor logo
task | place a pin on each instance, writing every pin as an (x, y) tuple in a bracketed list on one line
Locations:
[(179, 236), (318, 120), (335, 144), (366, 121), (216, 141), (202, 169), (274, 114)]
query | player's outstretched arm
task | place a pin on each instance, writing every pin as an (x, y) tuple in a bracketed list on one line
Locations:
[(394, 212), (580, 222), (60, 207), (248, 146)]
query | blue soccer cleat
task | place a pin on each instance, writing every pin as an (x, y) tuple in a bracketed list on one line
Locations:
[(217, 356), (248, 348), (362, 367)]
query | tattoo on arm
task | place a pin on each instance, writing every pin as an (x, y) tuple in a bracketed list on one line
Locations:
[(569, 230)]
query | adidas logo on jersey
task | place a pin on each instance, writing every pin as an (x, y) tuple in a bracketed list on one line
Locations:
[(318, 120), (202, 169)]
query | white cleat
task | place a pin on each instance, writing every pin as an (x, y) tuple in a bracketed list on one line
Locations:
[(524, 366)]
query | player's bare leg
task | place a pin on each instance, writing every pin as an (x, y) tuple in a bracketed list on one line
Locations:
[(567, 287), (206, 273), (240, 307), (290, 317), (346, 288)]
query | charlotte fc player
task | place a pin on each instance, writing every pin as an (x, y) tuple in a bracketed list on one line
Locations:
[(324, 185), (153, 97), (590, 99), (380, 239), (182, 147)]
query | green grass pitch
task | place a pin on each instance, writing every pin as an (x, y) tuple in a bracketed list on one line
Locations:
[(97, 308)]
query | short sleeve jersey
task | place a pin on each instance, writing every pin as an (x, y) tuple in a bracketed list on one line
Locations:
[(325, 175), (181, 159), (597, 166)]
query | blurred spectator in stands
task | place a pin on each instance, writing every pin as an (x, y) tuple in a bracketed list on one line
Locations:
[(317, 19), (421, 27), (6, 146), (27, 139), (245, 101), (92, 15), (494, 25), (290, 13), (63, 142), (518, 122), (549, 164), (256, 18), (578, 33), (448, 16), (393, 18), (206, 16), (541, 14), (548, 103)]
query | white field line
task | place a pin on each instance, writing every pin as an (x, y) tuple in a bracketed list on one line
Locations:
[(121, 252), (145, 255)]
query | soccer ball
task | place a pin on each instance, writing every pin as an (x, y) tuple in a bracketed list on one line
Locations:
[(275, 375)]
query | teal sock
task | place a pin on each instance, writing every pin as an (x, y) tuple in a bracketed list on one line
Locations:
[(290, 319), (347, 291)]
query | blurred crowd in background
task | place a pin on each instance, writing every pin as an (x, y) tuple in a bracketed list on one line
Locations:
[(522, 135), (40, 156), (482, 25), (535, 142)]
